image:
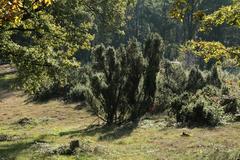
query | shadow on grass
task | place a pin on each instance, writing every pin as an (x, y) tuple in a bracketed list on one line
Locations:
[(5, 94), (48, 94), (7, 81), (119, 132), (12, 151), (33, 100), (107, 133)]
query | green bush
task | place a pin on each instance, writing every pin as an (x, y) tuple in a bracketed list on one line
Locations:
[(230, 104), (213, 78), (207, 107), (177, 103), (77, 93), (171, 82), (201, 108), (174, 77), (123, 81), (195, 80), (201, 112), (225, 90), (78, 84)]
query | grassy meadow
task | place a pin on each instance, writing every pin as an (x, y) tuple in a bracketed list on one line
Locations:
[(54, 123)]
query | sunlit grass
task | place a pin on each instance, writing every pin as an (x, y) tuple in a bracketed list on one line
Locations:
[(56, 124)]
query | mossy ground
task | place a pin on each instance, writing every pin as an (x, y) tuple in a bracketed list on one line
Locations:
[(56, 123)]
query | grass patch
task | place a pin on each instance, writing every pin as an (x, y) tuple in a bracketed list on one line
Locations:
[(56, 124)]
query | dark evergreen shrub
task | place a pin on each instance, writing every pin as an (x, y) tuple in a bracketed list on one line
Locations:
[(195, 80), (211, 92), (199, 109), (153, 53), (174, 77), (231, 104), (123, 81), (163, 97), (177, 104), (213, 78), (200, 112), (171, 84), (76, 93), (225, 90), (78, 84)]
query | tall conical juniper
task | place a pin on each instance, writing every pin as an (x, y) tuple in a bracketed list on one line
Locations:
[(154, 50)]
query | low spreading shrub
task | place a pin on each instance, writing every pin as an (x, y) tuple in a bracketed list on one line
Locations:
[(77, 93), (200, 112), (230, 104), (200, 109), (177, 103), (78, 84)]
